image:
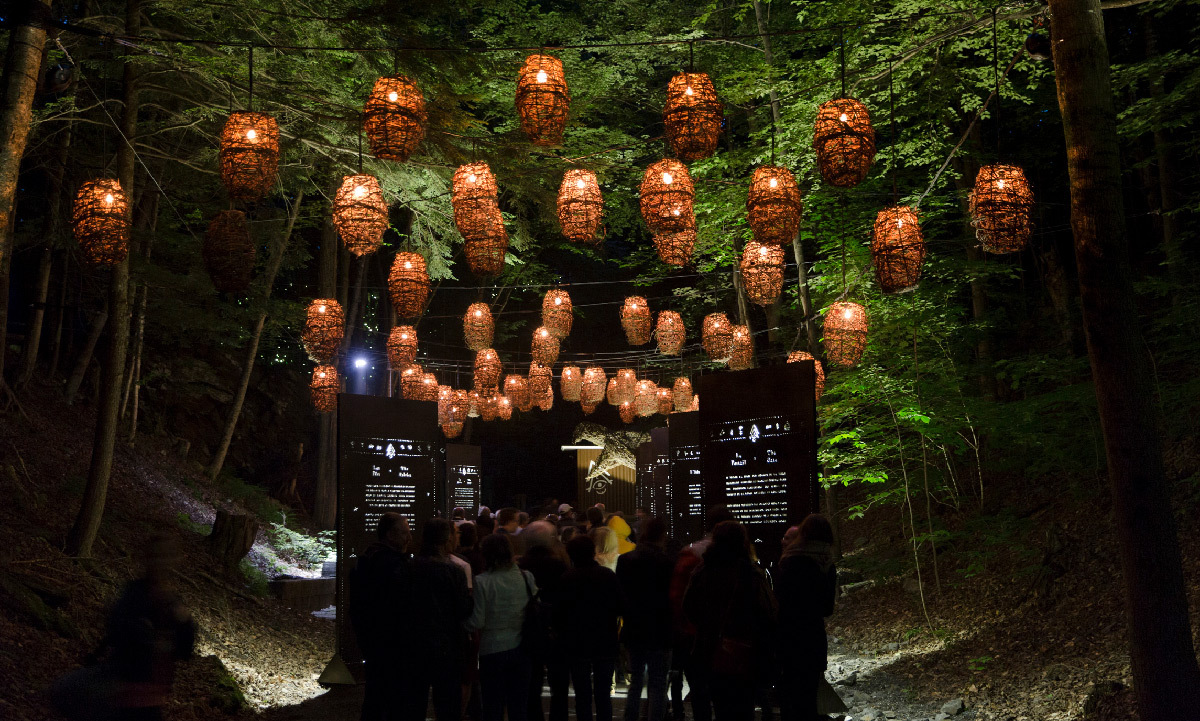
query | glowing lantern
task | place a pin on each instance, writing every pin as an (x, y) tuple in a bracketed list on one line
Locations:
[(408, 284), (681, 391), (486, 249), (546, 400), (1001, 208), (741, 354), (635, 319), (845, 333), (612, 394), (544, 347), (394, 118), (773, 205), (666, 401), (489, 406), (844, 141), (595, 382), (504, 408), (580, 205), (667, 196), (692, 116), (249, 155), (670, 332), (588, 408), (324, 327), (452, 430), (487, 369), (402, 346), (543, 99), (799, 355), (557, 315), (540, 377), (762, 272), (478, 326), (445, 394), (461, 404), (360, 213), (675, 249), (473, 401), (626, 385), (570, 383), (428, 390), (717, 337), (410, 382), (627, 412), (516, 388), (645, 399), (324, 388), (897, 249), (228, 252), (100, 220)]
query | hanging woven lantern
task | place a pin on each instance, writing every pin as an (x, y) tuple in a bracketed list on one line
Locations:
[(741, 353), (681, 392), (487, 369), (612, 393), (717, 337), (666, 197), (595, 382), (394, 118), (670, 332), (489, 406), (228, 252), (516, 388), (408, 284), (324, 327), (626, 385), (557, 315), (580, 205), (645, 399), (570, 383), (402, 346), (324, 388), (1001, 208), (540, 377), (473, 195), (410, 382), (429, 388), (100, 218), (504, 408), (452, 430), (360, 213), (897, 249), (762, 272), (666, 401), (445, 394), (845, 333), (844, 141), (800, 355), (461, 404), (635, 319), (588, 408), (545, 347), (478, 326), (546, 400), (473, 401), (692, 116), (487, 246), (249, 155), (773, 205), (675, 249), (543, 99), (627, 412)]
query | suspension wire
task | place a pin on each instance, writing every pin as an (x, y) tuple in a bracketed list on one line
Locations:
[(691, 57), (250, 73), (996, 78), (842, 57), (892, 120)]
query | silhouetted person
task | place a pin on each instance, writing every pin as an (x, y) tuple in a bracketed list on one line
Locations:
[(508, 522), (439, 605), (645, 576), (545, 558), (586, 614), (502, 593), (733, 610), (805, 584), (593, 518), (379, 585), (468, 547)]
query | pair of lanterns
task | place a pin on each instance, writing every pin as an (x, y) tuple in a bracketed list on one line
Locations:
[(666, 200), (799, 355), (1001, 206), (228, 252), (477, 215), (635, 319), (844, 141), (408, 284), (324, 328)]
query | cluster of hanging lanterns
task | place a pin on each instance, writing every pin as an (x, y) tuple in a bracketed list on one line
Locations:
[(228, 252), (473, 193)]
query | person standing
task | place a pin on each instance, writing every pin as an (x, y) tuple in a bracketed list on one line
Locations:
[(502, 593), (733, 610), (806, 585), (379, 587), (607, 548), (645, 576), (586, 614), (545, 558), (620, 527)]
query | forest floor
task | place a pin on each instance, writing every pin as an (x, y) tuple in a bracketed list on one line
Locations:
[(1027, 624)]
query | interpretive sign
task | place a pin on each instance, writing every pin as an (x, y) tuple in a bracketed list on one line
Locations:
[(686, 472), (662, 500), (463, 466)]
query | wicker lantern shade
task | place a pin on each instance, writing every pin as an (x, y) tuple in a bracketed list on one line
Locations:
[(452, 430), (324, 327), (741, 353), (546, 400), (394, 118), (516, 388), (408, 284), (410, 382), (570, 383), (773, 205), (897, 249), (489, 406), (800, 355), (666, 401), (544, 347), (543, 99), (635, 319), (580, 205), (445, 394), (478, 326), (487, 369), (557, 315), (845, 333), (504, 408), (100, 219), (461, 404), (1001, 208), (428, 390), (626, 385), (645, 399), (675, 249), (717, 337), (595, 383), (324, 388), (228, 252), (681, 392), (588, 408), (487, 246), (402, 346), (360, 213), (692, 116), (762, 272), (670, 332), (540, 377), (249, 155), (471, 183), (666, 197), (627, 412), (695, 407), (844, 141), (612, 393)]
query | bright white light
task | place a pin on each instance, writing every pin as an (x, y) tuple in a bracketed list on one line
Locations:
[(251, 134), (393, 96), (471, 178), (408, 265), (360, 191), (848, 313), (763, 251), (774, 183), (900, 223), (108, 199), (668, 178), (320, 309), (542, 77), (558, 301), (321, 374), (360, 362), (1000, 184), (688, 90), (579, 183), (844, 118), (478, 313), (544, 333)]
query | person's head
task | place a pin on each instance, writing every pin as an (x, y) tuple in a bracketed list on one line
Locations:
[(619, 526), (552, 518), (497, 552), (508, 519), (437, 537), (729, 543), (484, 512), (564, 509), (485, 526), (717, 515), (539, 534), (594, 517), (567, 533), (605, 541), (522, 519), (790, 536), (643, 513), (816, 528), (468, 535), (582, 551), (654, 532), (458, 514), (393, 530)]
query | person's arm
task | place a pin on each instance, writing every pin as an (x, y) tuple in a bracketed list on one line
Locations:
[(829, 592), (482, 600)]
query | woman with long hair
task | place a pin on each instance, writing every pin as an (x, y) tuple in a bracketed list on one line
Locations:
[(805, 583)]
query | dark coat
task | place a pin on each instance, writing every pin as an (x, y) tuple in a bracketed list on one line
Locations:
[(805, 586), (731, 598), (586, 614), (379, 604), (147, 632), (645, 575), (440, 603), (547, 569)]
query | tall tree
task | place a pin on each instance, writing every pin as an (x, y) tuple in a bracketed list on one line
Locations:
[(1166, 676)]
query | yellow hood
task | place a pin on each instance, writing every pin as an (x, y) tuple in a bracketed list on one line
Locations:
[(621, 528)]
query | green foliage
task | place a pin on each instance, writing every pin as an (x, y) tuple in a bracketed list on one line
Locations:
[(251, 497), (300, 548), (256, 580), (186, 523)]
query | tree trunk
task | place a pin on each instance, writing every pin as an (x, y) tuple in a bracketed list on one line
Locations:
[(22, 69), (148, 210), (232, 538), (235, 408), (91, 510), (325, 495), (1164, 159), (85, 356), (967, 170), (59, 315), (1165, 673)]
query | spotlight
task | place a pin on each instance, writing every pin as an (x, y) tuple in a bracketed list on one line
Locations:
[(360, 362)]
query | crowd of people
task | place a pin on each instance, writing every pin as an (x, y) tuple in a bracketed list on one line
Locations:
[(489, 610)]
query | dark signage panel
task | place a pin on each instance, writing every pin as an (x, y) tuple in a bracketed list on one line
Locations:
[(687, 484), (662, 502), (463, 466), (644, 490)]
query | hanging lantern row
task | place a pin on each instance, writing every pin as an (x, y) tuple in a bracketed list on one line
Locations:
[(543, 99), (402, 346), (478, 326), (580, 206), (487, 369), (635, 319), (800, 355), (557, 314), (741, 351), (324, 328), (762, 272), (544, 347), (1001, 206), (670, 332), (228, 252), (360, 214), (844, 141), (324, 388), (692, 116), (249, 155), (845, 333), (773, 205), (897, 249), (666, 197), (675, 249), (100, 220), (394, 118), (717, 337), (408, 283), (570, 383), (681, 393)]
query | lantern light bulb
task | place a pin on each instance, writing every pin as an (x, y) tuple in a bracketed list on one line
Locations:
[(321, 374), (478, 313), (542, 77), (408, 265), (900, 223), (320, 309), (1000, 184), (108, 199), (668, 178), (848, 314), (774, 183), (763, 251), (360, 191), (579, 183), (544, 333), (393, 96), (844, 118), (558, 301), (688, 90), (252, 134), (471, 178)]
